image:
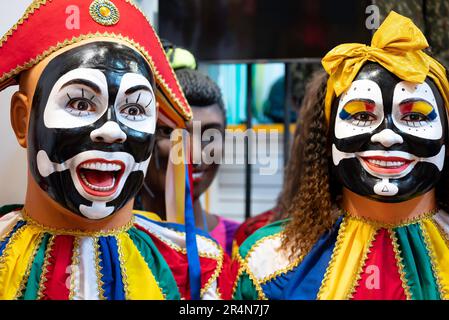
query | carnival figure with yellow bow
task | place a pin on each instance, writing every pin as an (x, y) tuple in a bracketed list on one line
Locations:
[(370, 218)]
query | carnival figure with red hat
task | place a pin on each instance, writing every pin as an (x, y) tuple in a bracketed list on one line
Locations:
[(89, 98)]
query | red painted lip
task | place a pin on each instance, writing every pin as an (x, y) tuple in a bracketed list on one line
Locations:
[(117, 175), (387, 169)]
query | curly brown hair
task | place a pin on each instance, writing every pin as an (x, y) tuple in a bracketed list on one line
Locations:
[(310, 196)]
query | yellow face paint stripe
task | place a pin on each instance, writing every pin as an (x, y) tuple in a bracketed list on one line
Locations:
[(141, 283), (422, 107), (439, 253), (355, 107), (16, 259), (350, 252)]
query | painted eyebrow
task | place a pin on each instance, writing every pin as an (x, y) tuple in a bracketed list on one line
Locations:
[(137, 88), (408, 100), (85, 82), (361, 100)]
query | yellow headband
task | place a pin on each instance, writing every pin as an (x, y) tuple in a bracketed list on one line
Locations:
[(397, 46)]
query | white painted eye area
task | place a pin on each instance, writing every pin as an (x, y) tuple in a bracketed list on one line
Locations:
[(364, 119), (133, 112), (415, 111), (360, 109), (80, 107), (79, 98), (136, 103)]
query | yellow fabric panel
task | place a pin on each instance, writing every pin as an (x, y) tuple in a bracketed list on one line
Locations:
[(140, 282), (16, 260), (354, 239), (439, 253)]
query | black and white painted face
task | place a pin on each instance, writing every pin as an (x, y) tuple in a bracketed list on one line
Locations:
[(92, 128), (388, 136)]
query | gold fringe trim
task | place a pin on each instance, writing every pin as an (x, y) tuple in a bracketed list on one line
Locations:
[(404, 223), (122, 268), (435, 269), (362, 262), (399, 264), (260, 293), (215, 275), (28, 269), (293, 264), (279, 272), (43, 279), (239, 259), (336, 251), (77, 233), (98, 269), (74, 268)]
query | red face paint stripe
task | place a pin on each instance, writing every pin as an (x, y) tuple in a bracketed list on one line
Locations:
[(370, 107), (57, 286), (406, 107)]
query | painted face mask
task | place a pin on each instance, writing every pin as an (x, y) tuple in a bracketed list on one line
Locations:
[(91, 128), (388, 136)]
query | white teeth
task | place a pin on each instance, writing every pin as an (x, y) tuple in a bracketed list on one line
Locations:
[(387, 164), (96, 188), (101, 166), (197, 175)]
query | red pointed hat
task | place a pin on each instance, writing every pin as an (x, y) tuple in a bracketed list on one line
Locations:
[(47, 26)]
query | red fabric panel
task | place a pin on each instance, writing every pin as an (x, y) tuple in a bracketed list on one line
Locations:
[(57, 286), (177, 261), (228, 277), (380, 278)]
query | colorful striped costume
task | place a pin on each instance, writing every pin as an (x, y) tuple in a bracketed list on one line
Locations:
[(144, 260), (358, 259)]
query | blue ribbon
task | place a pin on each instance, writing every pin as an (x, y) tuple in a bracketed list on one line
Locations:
[(192, 248)]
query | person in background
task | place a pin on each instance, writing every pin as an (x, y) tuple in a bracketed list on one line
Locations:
[(205, 98), (315, 90)]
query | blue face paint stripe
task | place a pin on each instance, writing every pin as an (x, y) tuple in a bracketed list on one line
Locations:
[(433, 115), (344, 115)]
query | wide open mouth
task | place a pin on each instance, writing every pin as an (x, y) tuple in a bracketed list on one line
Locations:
[(387, 165), (100, 177)]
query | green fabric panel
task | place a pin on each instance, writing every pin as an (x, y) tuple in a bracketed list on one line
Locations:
[(9, 208), (417, 263), (263, 232), (245, 289), (156, 263), (32, 286)]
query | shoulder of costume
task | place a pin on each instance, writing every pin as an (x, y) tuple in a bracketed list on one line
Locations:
[(261, 255), (173, 235), (261, 236)]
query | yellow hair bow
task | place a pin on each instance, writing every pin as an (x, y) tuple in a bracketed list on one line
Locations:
[(397, 46)]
